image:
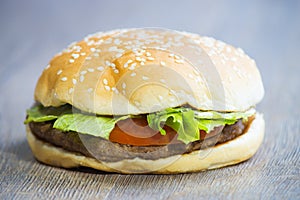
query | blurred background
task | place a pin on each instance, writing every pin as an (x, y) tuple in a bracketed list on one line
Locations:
[(33, 31)]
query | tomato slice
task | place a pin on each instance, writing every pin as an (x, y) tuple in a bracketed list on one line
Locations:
[(137, 132)]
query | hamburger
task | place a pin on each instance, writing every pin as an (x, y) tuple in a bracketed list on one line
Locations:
[(147, 101)]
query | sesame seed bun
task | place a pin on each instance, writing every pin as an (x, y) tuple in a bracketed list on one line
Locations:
[(229, 153), (139, 71), (135, 71)]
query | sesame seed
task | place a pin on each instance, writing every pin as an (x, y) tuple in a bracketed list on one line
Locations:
[(171, 55), (125, 65), (177, 57), (171, 92), (71, 60), (90, 90), (240, 51), (119, 55), (92, 49), (91, 70), (120, 50), (47, 67), (233, 59), (198, 79), (83, 54), (107, 63), (83, 72), (129, 61), (71, 90), (160, 97), (123, 85), (116, 90), (113, 48), (138, 58), (209, 42), (75, 55), (133, 74), (108, 41), (112, 65), (132, 66), (162, 63), (77, 48), (163, 80), (107, 87), (117, 41), (105, 81), (90, 43), (150, 58), (145, 78), (74, 81), (100, 68), (81, 78), (116, 71), (142, 63), (59, 72), (179, 61), (96, 54), (64, 78)]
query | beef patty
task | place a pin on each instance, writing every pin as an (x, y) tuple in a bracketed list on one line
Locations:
[(108, 151)]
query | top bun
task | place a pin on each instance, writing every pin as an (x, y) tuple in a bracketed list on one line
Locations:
[(135, 71)]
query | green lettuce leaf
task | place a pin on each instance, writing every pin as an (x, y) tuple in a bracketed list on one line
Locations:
[(68, 119), (98, 126), (208, 125), (184, 123), (187, 122), (40, 113), (223, 115)]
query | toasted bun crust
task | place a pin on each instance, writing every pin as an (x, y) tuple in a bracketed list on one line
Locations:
[(229, 153), (136, 71)]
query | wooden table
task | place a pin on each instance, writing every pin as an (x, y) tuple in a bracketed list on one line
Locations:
[(32, 32)]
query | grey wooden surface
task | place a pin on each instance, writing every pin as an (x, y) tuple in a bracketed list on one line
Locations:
[(31, 32)]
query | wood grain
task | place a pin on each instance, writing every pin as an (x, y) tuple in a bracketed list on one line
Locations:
[(32, 32)]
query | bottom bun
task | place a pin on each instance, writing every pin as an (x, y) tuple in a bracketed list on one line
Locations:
[(229, 153)]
